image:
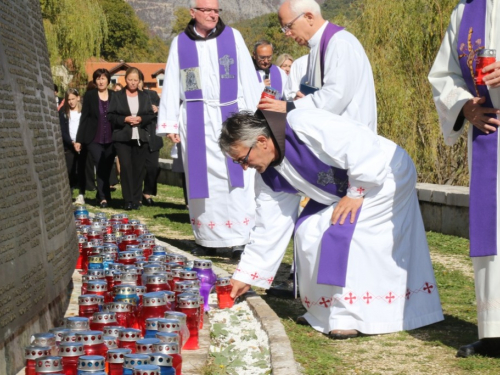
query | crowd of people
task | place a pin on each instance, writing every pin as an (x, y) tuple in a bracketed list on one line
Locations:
[(308, 127)]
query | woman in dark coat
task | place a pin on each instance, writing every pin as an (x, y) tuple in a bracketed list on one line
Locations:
[(131, 113), (94, 135)]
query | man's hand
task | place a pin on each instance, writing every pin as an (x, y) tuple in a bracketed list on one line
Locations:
[(492, 79), (155, 108), (299, 95), (239, 288), (273, 105), (477, 115), (345, 206), (78, 146), (174, 137)]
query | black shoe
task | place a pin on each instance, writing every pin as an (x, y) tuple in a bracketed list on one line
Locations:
[(236, 252), (104, 204), (488, 347), (282, 290), (148, 201), (136, 206), (128, 206), (203, 251)]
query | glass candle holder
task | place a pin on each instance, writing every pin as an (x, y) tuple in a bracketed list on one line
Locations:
[(127, 338), (77, 323), (132, 360), (126, 229), (145, 346), (111, 342), (190, 307), (157, 283), (59, 333), (99, 287), (129, 239), (146, 370), (31, 354), (151, 325), (207, 279), (88, 304), (171, 326), (79, 262), (223, 289), (93, 343), (173, 351), (164, 361), (115, 359), (154, 306), (123, 313), (484, 58), (196, 292), (177, 258), (48, 365), (45, 339), (112, 330), (182, 318), (91, 363), (169, 337), (70, 352)]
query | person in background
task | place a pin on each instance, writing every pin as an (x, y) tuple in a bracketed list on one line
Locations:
[(155, 143), (94, 136), (130, 112), (59, 100), (69, 119), (285, 61), (269, 75), (117, 87)]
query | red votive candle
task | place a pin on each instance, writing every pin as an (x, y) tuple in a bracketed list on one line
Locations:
[(172, 350), (79, 262), (88, 304), (70, 352), (123, 313), (157, 283), (102, 319), (191, 307), (93, 343), (48, 365), (154, 306), (127, 338), (115, 359), (484, 58), (223, 288), (31, 354)]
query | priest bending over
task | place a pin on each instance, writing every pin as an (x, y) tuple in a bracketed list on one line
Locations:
[(360, 245)]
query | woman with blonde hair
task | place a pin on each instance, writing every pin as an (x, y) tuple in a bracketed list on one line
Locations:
[(285, 61)]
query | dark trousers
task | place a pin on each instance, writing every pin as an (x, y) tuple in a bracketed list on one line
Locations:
[(132, 159), (103, 157), (150, 172), (71, 157)]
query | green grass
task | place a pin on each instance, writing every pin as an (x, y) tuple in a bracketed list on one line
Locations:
[(427, 350)]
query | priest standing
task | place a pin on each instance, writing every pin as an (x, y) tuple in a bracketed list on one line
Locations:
[(463, 93), (208, 73), (269, 75), (339, 75), (361, 250)]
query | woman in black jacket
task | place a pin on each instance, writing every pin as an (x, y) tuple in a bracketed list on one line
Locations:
[(94, 136), (131, 113)]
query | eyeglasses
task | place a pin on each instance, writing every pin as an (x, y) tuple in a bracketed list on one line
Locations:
[(244, 160), (286, 28), (264, 58), (208, 10)]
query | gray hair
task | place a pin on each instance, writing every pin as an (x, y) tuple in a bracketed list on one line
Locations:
[(243, 127), (262, 42), (303, 6)]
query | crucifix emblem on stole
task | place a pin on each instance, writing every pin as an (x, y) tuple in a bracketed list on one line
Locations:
[(226, 61)]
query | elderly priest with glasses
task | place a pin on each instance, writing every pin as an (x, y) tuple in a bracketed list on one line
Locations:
[(207, 78), (362, 255)]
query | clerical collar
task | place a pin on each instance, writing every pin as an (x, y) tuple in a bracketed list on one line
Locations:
[(277, 123), (316, 38), (191, 32)]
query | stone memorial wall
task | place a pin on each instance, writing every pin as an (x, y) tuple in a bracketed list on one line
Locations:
[(38, 248)]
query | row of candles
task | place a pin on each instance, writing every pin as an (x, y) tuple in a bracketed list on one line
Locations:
[(139, 307)]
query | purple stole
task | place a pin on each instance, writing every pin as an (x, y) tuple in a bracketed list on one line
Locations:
[(277, 84), (330, 30), (337, 238), (196, 146), (483, 180)]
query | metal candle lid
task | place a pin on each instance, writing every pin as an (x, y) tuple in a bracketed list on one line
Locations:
[(154, 299), (126, 227), (117, 355), (159, 249), (181, 317), (177, 258), (169, 296), (176, 272), (135, 359), (90, 299), (486, 53), (91, 363), (34, 351), (82, 239), (59, 332), (111, 342), (140, 264), (146, 370), (223, 281), (151, 269), (203, 264), (141, 290), (95, 232), (109, 238), (87, 278), (43, 339), (115, 266), (168, 337), (48, 364), (112, 330), (129, 237), (108, 258), (156, 279), (134, 222), (124, 289), (97, 250), (96, 242), (188, 303), (128, 255), (166, 348), (77, 323), (129, 278), (129, 334), (104, 317), (116, 217), (152, 324), (97, 286), (69, 336), (71, 349), (140, 227), (110, 248), (180, 286), (132, 247), (95, 259), (195, 291), (97, 273), (169, 325), (89, 337), (148, 236), (188, 275), (158, 258), (146, 345), (160, 359), (118, 307)]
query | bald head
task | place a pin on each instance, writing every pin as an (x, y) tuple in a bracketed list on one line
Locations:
[(301, 19)]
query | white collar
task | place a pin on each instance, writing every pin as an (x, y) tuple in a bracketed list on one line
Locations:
[(316, 38), (210, 33)]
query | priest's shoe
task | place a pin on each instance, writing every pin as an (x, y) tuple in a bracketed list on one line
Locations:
[(236, 252), (147, 201), (103, 204), (128, 206), (488, 347), (282, 290), (302, 321), (204, 251), (343, 334)]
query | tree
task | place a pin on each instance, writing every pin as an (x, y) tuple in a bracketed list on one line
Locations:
[(182, 18)]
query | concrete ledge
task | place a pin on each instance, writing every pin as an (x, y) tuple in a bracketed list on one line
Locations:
[(167, 176)]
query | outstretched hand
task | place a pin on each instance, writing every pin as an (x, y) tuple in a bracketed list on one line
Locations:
[(239, 288), (477, 115)]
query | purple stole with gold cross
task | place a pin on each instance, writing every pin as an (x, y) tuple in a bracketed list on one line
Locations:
[(483, 171), (190, 76)]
